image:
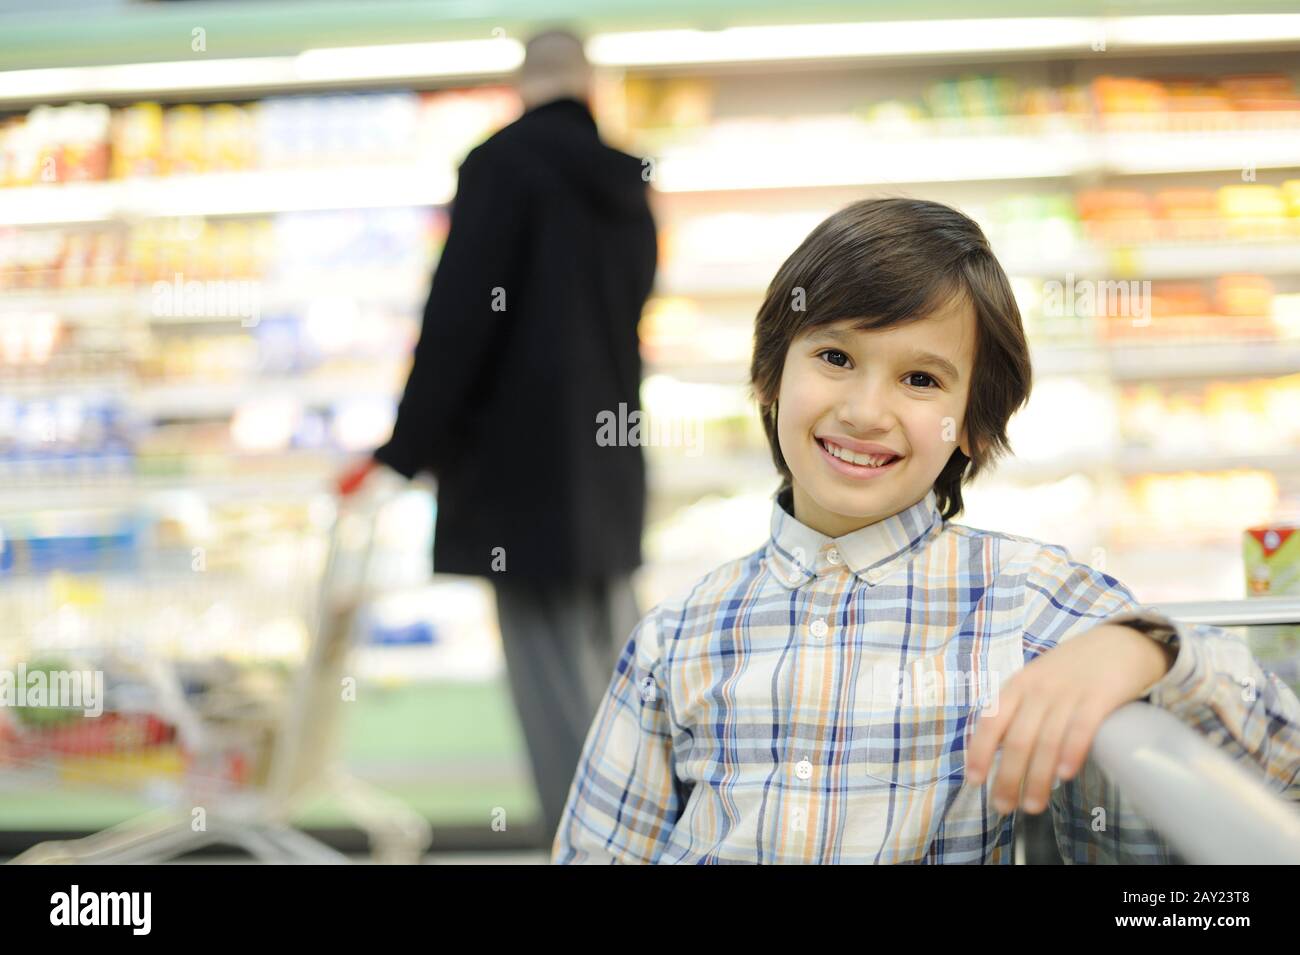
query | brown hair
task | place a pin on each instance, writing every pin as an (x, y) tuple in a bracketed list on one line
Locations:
[(887, 262)]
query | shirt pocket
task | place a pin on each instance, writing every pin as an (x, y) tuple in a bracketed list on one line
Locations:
[(914, 724)]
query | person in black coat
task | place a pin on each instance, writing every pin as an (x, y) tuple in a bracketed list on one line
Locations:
[(529, 341)]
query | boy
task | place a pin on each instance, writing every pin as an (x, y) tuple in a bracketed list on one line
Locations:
[(839, 694)]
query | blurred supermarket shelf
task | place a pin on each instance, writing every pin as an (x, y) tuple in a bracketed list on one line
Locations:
[(1215, 358), (674, 472), (230, 194), (34, 386), (271, 477), (113, 304), (213, 399), (1196, 259), (788, 163), (206, 399), (1134, 462), (784, 163), (1149, 261), (861, 156)]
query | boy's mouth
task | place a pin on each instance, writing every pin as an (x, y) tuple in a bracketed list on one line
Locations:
[(856, 465)]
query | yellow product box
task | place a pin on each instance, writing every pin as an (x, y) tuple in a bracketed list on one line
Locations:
[(1272, 559)]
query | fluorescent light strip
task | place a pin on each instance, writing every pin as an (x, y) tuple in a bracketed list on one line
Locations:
[(497, 57), (146, 77), (404, 60), (831, 40), (458, 58), (1184, 30)]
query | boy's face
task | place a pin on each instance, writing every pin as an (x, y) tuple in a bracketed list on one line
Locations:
[(876, 387)]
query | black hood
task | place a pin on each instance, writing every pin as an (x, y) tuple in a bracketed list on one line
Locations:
[(562, 133)]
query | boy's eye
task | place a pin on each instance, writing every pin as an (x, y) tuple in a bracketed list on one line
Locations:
[(836, 352), (921, 374)]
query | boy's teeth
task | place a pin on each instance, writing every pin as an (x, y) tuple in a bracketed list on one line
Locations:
[(845, 455)]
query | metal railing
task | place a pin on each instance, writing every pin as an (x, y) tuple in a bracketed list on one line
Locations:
[(1211, 809)]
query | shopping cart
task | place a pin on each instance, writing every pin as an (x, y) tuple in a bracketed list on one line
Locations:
[(226, 763)]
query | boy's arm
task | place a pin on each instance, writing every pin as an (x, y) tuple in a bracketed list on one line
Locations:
[(625, 798), (1214, 685)]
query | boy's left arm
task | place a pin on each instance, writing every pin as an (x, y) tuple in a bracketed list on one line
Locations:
[(1204, 675)]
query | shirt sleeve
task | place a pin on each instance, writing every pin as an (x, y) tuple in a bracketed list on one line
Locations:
[(467, 306), (1215, 686), (625, 798)]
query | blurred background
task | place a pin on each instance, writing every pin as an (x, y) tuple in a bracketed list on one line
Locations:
[(217, 226)]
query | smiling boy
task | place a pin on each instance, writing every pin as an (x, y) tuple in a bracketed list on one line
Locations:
[(809, 702)]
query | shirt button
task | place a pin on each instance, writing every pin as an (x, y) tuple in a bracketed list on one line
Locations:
[(803, 769), (833, 556), (818, 628)]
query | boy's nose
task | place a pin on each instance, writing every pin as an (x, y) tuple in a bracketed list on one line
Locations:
[(867, 411)]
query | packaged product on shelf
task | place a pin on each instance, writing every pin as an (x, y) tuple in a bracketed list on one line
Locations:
[(138, 141), (668, 105), (55, 144), (1271, 555), (1254, 211), (1188, 214), (1195, 94), (230, 137), (64, 437), (184, 141), (83, 132), (1244, 295), (17, 153), (1117, 215), (1291, 193), (1122, 99), (1261, 92)]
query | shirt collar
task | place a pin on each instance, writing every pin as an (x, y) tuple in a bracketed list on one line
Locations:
[(797, 553)]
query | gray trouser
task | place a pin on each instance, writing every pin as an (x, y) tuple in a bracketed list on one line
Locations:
[(561, 642)]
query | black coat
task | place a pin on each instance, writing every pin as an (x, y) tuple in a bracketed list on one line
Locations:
[(502, 403)]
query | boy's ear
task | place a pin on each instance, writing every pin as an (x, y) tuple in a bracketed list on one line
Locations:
[(963, 442)]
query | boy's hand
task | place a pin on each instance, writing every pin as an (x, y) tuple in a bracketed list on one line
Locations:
[(1049, 712)]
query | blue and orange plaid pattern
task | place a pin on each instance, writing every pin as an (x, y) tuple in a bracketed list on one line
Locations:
[(813, 702)]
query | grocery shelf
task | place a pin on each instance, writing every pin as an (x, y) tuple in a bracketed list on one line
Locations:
[(278, 477), (788, 163), (113, 303), (1153, 360), (1228, 147), (1131, 463), (1198, 259), (230, 194), (206, 399), (1166, 260), (40, 387), (744, 166)]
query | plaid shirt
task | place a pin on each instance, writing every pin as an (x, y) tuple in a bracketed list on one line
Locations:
[(813, 702)]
